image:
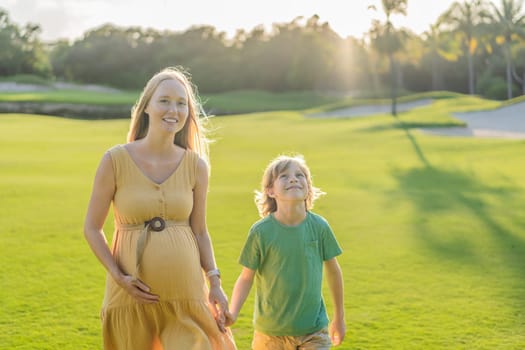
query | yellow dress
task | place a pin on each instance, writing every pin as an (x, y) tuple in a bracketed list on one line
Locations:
[(170, 265)]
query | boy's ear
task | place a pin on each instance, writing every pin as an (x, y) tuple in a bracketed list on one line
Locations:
[(269, 192)]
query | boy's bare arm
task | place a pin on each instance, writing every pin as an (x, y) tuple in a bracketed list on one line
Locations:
[(334, 278), (241, 290)]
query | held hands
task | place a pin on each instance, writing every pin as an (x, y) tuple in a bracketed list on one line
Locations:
[(230, 318), (137, 289), (219, 304), (337, 331)]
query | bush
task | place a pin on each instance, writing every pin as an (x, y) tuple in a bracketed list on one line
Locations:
[(494, 87)]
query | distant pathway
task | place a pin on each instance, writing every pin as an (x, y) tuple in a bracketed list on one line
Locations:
[(504, 122), (20, 87), (365, 110)]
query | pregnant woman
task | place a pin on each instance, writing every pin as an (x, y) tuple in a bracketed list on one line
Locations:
[(156, 292)]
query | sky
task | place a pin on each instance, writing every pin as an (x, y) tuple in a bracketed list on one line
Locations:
[(70, 19)]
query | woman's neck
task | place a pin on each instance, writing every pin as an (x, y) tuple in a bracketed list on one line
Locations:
[(158, 145)]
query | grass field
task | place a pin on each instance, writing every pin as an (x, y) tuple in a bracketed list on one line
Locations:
[(433, 228), (223, 103)]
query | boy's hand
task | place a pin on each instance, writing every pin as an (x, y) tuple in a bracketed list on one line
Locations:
[(229, 318), (337, 331)]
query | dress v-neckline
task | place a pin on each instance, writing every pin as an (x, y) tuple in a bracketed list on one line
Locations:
[(139, 169)]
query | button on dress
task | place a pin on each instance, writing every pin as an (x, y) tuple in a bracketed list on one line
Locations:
[(170, 264)]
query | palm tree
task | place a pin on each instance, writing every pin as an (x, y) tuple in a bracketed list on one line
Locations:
[(387, 40), (464, 19), (434, 42), (519, 51), (509, 22)]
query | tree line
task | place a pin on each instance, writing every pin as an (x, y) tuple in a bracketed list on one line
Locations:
[(475, 47)]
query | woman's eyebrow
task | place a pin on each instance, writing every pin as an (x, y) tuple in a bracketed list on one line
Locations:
[(169, 96)]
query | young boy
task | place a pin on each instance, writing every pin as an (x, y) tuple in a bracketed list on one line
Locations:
[(285, 252)]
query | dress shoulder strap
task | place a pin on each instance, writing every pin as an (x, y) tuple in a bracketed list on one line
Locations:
[(193, 161), (118, 158)]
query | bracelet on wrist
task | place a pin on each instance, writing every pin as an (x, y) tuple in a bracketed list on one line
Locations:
[(214, 272)]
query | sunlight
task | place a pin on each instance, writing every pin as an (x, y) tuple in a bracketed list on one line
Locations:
[(73, 18)]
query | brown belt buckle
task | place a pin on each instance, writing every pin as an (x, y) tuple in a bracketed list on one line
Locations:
[(156, 224)]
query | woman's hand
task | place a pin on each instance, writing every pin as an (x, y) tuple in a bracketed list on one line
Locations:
[(219, 304), (137, 289)]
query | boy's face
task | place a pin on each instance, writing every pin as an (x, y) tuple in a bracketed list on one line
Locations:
[(290, 185)]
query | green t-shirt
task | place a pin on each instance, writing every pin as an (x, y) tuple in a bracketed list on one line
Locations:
[(288, 261)]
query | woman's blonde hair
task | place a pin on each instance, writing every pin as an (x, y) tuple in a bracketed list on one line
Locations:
[(193, 134), (266, 204)]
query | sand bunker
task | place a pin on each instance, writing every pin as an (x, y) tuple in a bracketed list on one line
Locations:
[(361, 111), (504, 122)]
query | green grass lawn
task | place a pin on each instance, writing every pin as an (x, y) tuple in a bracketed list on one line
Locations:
[(227, 102), (433, 228), (72, 96)]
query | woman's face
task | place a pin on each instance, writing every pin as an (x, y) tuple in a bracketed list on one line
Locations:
[(168, 106)]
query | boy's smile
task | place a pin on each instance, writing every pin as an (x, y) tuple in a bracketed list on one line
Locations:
[(290, 184)]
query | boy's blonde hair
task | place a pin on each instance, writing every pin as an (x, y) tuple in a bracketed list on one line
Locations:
[(193, 134), (266, 204)]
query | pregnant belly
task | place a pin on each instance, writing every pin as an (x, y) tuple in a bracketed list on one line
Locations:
[(170, 264)]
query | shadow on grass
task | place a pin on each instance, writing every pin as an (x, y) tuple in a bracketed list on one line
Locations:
[(433, 190)]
